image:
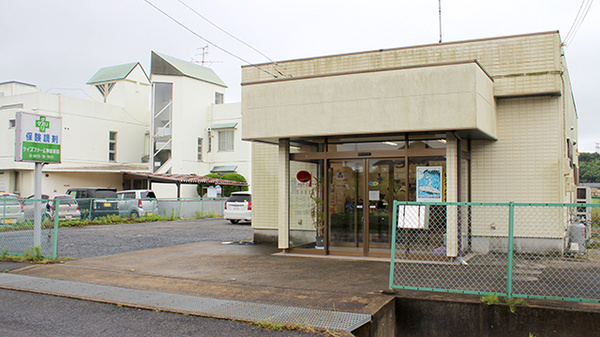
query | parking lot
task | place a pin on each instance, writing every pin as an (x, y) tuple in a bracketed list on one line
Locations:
[(94, 241)]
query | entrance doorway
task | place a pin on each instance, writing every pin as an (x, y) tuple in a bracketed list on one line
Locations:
[(361, 194)]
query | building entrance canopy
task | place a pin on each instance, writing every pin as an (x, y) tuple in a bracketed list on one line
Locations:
[(456, 96)]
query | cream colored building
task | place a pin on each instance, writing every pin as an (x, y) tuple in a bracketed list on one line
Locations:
[(496, 116)]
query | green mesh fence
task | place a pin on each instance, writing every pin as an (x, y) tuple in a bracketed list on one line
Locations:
[(18, 232), (549, 251)]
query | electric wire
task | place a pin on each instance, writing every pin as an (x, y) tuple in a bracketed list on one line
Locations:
[(581, 14), (207, 41), (221, 29)]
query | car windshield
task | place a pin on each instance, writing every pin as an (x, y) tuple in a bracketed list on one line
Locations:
[(240, 197)]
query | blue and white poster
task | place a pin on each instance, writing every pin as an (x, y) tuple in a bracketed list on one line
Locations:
[(429, 183)]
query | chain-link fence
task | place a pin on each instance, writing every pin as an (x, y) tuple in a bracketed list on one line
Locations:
[(549, 251), (22, 232), (19, 234)]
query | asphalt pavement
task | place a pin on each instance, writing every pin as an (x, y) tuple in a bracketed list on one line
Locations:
[(244, 277)]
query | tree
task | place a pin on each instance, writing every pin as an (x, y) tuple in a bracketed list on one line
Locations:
[(589, 167)]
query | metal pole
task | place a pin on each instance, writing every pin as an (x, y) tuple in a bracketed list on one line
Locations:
[(511, 231), (37, 219), (55, 232)]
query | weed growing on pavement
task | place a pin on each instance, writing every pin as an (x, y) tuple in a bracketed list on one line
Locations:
[(34, 254), (202, 215)]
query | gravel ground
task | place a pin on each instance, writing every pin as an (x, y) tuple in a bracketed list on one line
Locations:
[(92, 241)]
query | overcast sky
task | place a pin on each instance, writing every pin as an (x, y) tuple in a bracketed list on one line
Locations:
[(58, 45)]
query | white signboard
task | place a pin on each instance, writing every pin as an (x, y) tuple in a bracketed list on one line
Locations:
[(38, 138), (429, 183), (413, 216)]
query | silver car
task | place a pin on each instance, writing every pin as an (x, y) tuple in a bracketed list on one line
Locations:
[(11, 209), (137, 203), (68, 207)]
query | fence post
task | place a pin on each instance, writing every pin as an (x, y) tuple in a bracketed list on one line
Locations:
[(393, 242), (55, 234), (511, 231)]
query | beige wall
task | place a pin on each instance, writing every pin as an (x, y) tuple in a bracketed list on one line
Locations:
[(524, 164), (528, 109), (442, 97), (520, 65)]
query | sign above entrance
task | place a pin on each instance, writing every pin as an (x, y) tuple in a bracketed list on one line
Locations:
[(37, 138)]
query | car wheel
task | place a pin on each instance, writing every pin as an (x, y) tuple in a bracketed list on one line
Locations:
[(234, 221), (134, 215)]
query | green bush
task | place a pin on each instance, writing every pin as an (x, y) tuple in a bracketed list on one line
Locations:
[(227, 189)]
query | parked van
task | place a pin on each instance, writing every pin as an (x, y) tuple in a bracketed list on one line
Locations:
[(137, 203), (95, 202)]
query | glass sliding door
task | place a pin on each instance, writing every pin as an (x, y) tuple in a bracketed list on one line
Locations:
[(346, 204), (387, 182)]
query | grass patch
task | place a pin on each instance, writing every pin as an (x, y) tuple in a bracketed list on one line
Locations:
[(33, 255)]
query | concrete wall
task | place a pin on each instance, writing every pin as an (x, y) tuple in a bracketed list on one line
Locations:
[(437, 314)]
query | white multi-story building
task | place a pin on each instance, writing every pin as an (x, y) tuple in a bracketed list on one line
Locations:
[(184, 128), (193, 129)]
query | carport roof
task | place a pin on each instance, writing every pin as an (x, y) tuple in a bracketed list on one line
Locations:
[(182, 179)]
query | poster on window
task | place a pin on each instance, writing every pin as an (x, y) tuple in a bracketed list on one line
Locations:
[(429, 183)]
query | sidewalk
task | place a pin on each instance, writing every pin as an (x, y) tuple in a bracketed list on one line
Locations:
[(243, 282)]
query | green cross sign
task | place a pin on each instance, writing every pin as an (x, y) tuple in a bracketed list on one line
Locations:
[(42, 124)]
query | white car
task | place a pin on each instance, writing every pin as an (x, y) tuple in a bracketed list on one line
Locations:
[(137, 203), (238, 207)]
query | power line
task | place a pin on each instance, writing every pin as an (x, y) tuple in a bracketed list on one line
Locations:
[(581, 14), (207, 41), (221, 29)]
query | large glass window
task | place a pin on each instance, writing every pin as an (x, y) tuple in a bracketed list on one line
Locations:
[(163, 106)]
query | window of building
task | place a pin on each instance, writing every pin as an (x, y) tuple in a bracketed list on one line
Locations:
[(112, 146), (219, 98), (209, 141), (199, 148), (226, 140), (12, 123)]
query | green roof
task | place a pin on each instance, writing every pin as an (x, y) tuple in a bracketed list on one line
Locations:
[(113, 73), (230, 125), (168, 65)]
